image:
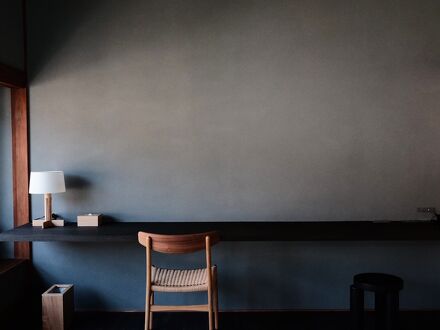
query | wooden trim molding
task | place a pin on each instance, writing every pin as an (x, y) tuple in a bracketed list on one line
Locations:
[(20, 165), (11, 77)]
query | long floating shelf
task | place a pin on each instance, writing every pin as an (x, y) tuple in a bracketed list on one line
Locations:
[(236, 231)]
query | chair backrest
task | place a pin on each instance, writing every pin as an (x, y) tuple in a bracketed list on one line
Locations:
[(174, 244)]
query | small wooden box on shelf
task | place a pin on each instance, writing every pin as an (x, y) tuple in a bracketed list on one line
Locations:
[(89, 220)]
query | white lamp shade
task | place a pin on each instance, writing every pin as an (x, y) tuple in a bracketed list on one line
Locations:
[(48, 182)]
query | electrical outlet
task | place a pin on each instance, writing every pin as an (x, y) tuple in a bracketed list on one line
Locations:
[(426, 209)]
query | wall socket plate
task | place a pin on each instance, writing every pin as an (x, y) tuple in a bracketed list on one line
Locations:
[(426, 209)]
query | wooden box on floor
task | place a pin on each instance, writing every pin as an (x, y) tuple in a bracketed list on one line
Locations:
[(58, 307)]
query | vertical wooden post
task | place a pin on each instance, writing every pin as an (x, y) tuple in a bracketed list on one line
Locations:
[(20, 165)]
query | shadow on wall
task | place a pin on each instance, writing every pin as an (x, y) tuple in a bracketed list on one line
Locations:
[(55, 23), (91, 296), (77, 186), (86, 293), (80, 193), (76, 181)]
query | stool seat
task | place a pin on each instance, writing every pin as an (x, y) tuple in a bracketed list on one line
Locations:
[(377, 282), (386, 289)]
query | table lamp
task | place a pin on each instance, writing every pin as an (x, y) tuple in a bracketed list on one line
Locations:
[(47, 183)]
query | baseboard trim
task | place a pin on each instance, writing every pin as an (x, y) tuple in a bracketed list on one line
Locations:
[(294, 311), (262, 319)]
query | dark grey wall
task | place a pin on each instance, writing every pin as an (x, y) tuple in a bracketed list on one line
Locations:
[(11, 53), (281, 275), (11, 33), (238, 110), (6, 209)]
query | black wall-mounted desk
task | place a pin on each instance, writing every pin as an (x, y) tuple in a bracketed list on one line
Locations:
[(236, 231)]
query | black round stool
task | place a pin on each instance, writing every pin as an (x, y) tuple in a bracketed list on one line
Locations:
[(386, 289)]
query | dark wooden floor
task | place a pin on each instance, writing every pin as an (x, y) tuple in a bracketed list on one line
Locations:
[(246, 320)]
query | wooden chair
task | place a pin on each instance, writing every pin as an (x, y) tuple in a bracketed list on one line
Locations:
[(180, 280)]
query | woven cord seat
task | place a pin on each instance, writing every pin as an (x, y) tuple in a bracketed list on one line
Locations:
[(179, 280)]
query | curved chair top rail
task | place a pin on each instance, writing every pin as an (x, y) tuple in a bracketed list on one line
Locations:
[(178, 243)]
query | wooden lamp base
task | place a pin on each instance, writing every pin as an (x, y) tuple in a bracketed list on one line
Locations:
[(47, 211), (48, 222)]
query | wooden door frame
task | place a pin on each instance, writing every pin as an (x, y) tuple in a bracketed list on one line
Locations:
[(16, 81)]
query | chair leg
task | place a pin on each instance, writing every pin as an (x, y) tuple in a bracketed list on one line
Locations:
[(357, 308), (151, 313), (210, 308), (392, 318), (147, 310), (380, 304), (215, 297)]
